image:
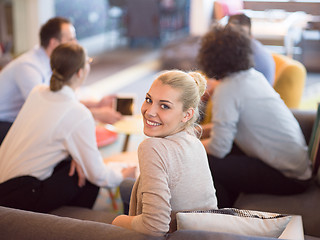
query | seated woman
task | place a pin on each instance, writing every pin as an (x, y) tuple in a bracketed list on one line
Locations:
[(52, 128), (174, 171), (248, 113)]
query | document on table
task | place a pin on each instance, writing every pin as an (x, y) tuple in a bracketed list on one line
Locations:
[(118, 166)]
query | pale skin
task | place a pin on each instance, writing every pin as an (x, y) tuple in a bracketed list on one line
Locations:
[(163, 115), (211, 85), (206, 128)]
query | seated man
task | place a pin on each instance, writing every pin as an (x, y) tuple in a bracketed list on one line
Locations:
[(249, 114)]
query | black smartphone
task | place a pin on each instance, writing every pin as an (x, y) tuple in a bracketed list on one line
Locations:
[(125, 105)]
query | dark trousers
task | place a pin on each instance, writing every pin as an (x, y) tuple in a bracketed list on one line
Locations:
[(4, 128), (125, 193), (237, 173), (29, 193)]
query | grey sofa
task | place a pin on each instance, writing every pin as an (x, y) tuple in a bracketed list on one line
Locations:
[(78, 223), (18, 224)]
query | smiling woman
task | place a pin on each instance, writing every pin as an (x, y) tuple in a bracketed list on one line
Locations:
[(163, 112), (172, 162)]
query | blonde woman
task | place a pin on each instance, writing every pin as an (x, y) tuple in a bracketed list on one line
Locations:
[(174, 171)]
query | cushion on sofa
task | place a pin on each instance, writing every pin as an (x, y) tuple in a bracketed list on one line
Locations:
[(305, 204), (236, 221), (19, 224)]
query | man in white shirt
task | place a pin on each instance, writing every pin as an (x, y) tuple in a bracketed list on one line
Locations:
[(32, 68)]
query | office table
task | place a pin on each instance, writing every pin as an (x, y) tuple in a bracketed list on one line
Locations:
[(278, 27)]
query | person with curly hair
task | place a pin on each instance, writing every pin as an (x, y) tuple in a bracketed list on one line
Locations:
[(255, 145)]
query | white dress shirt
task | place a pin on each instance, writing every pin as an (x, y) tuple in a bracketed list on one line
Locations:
[(19, 77), (49, 127)]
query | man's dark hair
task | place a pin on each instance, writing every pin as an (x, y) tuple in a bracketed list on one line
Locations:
[(223, 51), (240, 19), (51, 29)]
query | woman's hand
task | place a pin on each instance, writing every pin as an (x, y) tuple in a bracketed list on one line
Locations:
[(123, 221), (106, 115), (81, 177), (102, 110), (107, 101), (129, 172)]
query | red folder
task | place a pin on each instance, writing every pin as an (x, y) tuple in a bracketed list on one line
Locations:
[(105, 136)]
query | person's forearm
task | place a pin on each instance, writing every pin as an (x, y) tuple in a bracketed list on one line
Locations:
[(95, 113), (90, 103), (123, 221), (105, 115)]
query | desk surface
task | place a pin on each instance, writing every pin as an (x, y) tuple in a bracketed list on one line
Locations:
[(130, 125)]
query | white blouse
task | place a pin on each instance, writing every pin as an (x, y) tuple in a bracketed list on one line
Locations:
[(49, 127)]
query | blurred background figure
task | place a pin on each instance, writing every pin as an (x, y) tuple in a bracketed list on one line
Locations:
[(143, 22), (263, 60)]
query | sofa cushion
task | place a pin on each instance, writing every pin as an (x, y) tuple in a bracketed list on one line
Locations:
[(305, 204), (206, 235), (236, 221), (19, 224)]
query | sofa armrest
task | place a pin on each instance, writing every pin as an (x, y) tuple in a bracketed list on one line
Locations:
[(19, 224)]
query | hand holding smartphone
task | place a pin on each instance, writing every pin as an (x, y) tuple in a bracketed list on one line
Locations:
[(125, 104)]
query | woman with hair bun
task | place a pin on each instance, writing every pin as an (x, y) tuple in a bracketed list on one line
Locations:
[(52, 128), (173, 162)]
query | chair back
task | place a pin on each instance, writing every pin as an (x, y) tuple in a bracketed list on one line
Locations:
[(290, 77)]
